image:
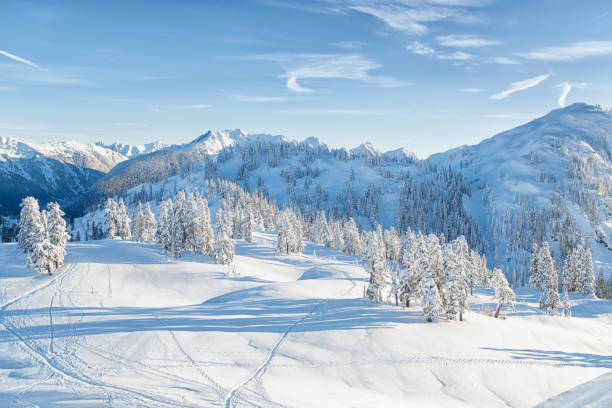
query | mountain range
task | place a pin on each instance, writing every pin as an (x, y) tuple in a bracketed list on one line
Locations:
[(550, 179)]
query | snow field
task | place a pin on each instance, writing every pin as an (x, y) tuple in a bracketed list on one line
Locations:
[(122, 325)]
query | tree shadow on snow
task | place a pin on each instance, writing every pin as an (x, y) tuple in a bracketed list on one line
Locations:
[(261, 316), (566, 358)]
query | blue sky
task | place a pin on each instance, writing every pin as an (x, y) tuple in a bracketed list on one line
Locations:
[(427, 75)]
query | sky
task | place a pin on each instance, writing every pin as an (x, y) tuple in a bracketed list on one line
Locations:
[(427, 75)]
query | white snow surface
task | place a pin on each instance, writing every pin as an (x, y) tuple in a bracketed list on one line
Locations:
[(122, 325)]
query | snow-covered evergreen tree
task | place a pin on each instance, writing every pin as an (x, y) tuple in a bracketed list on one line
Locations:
[(56, 233), (31, 227), (503, 292), (223, 250), (352, 242), (547, 271), (164, 225), (249, 226), (430, 297), (149, 224), (111, 218), (456, 286), (321, 230), (392, 244), (586, 276), (374, 258), (567, 312)]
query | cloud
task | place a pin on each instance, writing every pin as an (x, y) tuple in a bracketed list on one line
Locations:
[(292, 85), (244, 98), (420, 48), (506, 61), (186, 107), (413, 16), (8, 88), (325, 66), (349, 112), (566, 87), (457, 56), (470, 90), (572, 51), (465, 41), (349, 45), (19, 59), (519, 86)]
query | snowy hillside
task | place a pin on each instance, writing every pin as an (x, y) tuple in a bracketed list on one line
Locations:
[(122, 325), (130, 151), (59, 171), (550, 179)]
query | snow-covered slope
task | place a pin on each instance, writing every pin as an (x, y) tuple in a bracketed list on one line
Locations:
[(122, 325), (59, 171), (548, 179), (129, 150)]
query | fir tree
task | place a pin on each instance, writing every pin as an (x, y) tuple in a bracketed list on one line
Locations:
[(503, 292), (430, 297), (56, 233), (223, 250)]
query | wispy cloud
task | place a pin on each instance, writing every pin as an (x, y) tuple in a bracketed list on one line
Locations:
[(572, 51), (8, 88), (257, 99), (183, 107), (420, 48), (566, 87), (350, 112), (349, 45), (457, 56), (519, 86), (20, 59), (465, 41), (471, 90), (325, 66), (506, 61), (413, 16)]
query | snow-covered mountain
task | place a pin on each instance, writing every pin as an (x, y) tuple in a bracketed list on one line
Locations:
[(549, 179), (59, 171), (129, 150)]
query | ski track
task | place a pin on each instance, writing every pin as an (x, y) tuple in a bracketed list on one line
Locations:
[(65, 369), (218, 389), (257, 374)]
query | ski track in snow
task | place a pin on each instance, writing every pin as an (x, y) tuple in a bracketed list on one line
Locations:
[(257, 374), (65, 369)]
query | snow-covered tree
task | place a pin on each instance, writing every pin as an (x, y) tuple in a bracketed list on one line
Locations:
[(321, 230), (249, 226), (149, 224), (586, 276), (547, 271), (374, 258), (567, 312), (56, 233), (123, 222), (289, 240), (456, 286), (410, 276), (352, 242), (111, 218), (392, 244), (223, 250), (430, 297), (31, 227), (164, 225), (503, 292)]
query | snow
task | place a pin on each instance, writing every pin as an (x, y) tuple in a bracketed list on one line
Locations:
[(122, 325)]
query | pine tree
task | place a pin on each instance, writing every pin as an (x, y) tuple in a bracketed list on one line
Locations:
[(56, 233), (600, 288), (321, 230), (31, 227), (138, 221), (111, 217), (456, 285), (566, 305), (374, 257), (503, 292), (223, 251), (430, 297), (164, 225), (352, 242), (149, 224), (550, 280), (249, 227), (586, 276)]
